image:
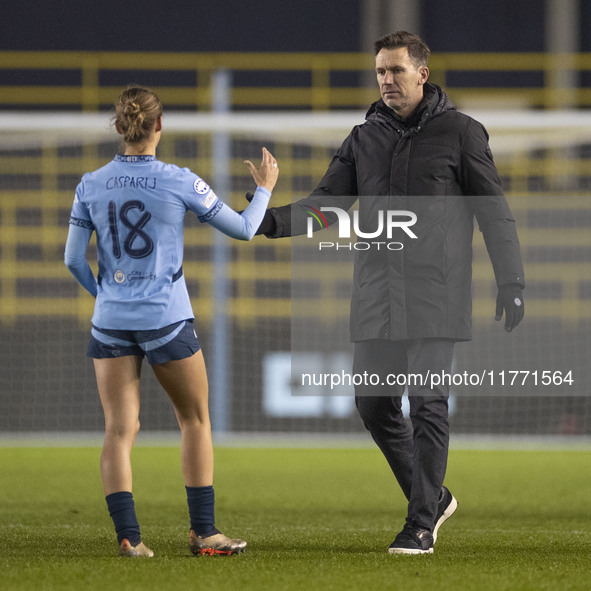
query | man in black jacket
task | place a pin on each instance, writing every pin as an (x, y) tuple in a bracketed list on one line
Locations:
[(415, 153)]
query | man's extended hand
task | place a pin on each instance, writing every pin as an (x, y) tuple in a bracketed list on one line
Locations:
[(510, 301)]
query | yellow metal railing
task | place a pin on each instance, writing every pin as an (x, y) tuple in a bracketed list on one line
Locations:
[(312, 83), (35, 218), (47, 201)]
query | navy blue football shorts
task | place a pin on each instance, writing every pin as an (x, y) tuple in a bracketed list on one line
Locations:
[(171, 343)]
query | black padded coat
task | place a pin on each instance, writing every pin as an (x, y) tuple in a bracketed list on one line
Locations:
[(437, 164)]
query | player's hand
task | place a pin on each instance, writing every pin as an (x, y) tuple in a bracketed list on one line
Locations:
[(266, 175), (510, 301)]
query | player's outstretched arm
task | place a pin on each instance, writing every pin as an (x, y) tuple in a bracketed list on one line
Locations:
[(337, 188), (243, 225)]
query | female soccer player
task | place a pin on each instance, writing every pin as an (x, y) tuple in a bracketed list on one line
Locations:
[(136, 205)]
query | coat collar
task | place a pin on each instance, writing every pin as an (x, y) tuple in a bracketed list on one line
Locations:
[(435, 101)]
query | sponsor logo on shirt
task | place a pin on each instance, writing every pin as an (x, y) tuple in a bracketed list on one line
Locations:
[(139, 275), (136, 275)]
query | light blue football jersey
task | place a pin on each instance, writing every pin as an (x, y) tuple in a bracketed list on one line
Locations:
[(136, 205)]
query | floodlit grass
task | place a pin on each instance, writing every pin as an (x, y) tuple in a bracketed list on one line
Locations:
[(313, 518)]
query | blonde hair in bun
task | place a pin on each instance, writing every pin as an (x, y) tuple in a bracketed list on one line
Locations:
[(136, 111)]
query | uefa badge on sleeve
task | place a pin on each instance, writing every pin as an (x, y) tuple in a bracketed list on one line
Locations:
[(200, 186)]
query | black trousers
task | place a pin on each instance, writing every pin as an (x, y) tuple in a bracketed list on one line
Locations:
[(417, 456)]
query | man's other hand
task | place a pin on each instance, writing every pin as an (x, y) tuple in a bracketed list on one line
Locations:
[(510, 301)]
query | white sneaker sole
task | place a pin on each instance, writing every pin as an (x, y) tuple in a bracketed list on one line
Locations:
[(449, 511), (409, 551)]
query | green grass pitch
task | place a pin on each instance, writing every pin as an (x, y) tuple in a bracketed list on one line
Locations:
[(315, 519)]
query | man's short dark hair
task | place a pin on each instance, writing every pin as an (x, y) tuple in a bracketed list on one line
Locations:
[(418, 52)]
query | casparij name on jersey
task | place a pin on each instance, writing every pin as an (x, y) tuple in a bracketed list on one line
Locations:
[(133, 182)]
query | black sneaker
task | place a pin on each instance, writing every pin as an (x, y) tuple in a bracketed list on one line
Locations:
[(412, 540), (445, 509)]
